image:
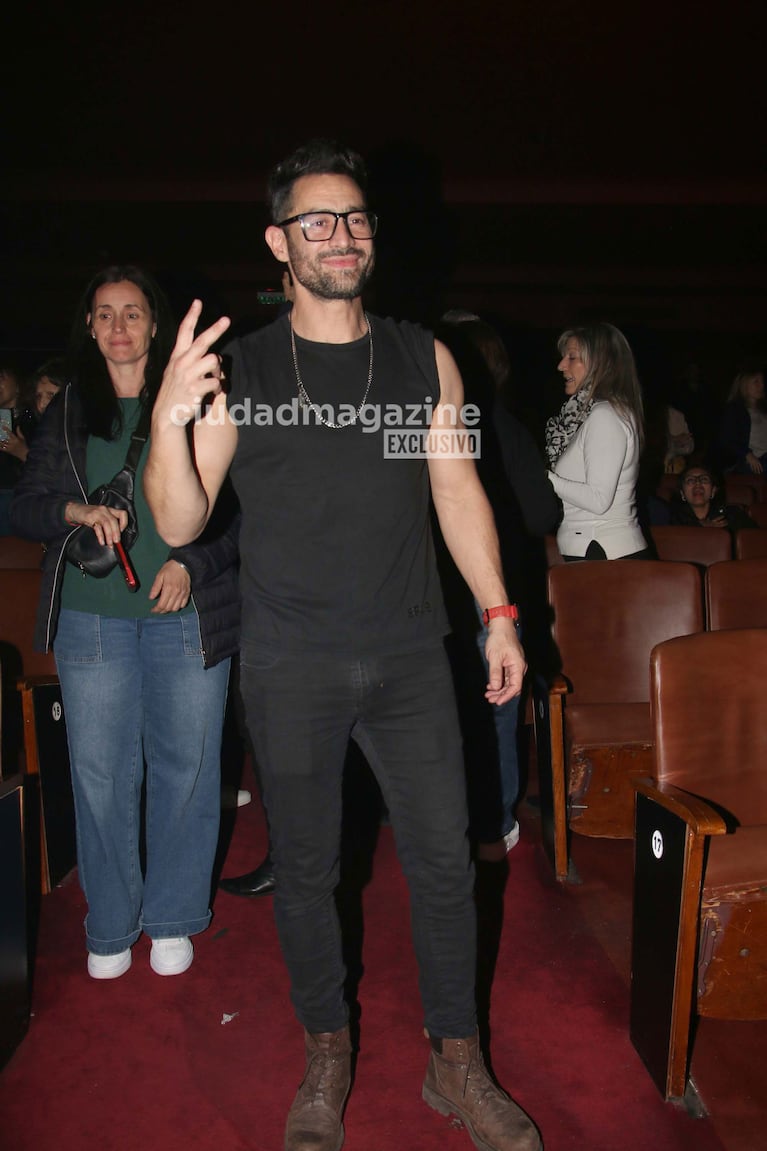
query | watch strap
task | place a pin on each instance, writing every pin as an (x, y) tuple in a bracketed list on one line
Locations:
[(509, 610)]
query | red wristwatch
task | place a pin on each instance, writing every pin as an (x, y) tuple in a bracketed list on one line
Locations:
[(510, 610)]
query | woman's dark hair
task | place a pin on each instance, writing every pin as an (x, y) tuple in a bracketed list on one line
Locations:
[(480, 354), (54, 370), (101, 407), (319, 157)]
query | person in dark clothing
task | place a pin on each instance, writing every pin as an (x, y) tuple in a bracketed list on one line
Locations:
[(742, 440), (42, 386), (143, 676), (261, 880), (13, 448), (343, 617), (697, 503), (526, 508)]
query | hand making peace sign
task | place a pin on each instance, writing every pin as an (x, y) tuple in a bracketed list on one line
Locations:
[(193, 371)]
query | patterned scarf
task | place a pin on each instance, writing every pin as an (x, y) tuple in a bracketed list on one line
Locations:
[(561, 428)]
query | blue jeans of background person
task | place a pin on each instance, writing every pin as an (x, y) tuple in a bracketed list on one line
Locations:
[(136, 691), (400, 710), (505, 720)]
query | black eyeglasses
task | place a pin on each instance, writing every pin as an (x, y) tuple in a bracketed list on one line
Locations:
[(318, 226)]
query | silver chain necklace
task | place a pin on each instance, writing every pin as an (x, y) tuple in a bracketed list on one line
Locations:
[(303, 395)]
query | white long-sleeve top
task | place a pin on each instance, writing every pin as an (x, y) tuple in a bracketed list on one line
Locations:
[(595, 478)]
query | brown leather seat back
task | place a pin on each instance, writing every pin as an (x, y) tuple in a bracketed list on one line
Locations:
[(690, 544), (758, 513), (710, 720), (553, 554), (19, 595), (740, 489), (751, 543), (608, 616), (18, 553), (736, 594)]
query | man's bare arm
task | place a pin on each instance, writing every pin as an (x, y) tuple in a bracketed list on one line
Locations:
[(468, 527), (183, 475)]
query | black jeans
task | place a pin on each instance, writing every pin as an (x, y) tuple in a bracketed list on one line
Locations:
[(400, 710)]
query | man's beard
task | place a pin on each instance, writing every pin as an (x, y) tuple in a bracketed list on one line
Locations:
[(332, 283)]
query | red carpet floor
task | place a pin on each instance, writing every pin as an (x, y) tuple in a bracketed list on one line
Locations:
[(209, 1061)]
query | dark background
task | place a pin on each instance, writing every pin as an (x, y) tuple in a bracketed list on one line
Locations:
[(539, 162)]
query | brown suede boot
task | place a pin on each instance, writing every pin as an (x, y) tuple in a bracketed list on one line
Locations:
[(314, 1119), (457, 1083)]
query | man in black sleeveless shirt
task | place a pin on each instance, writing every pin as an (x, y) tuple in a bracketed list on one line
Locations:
[(339, 429)]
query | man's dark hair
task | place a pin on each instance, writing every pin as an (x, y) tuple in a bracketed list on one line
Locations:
[(319, 157)]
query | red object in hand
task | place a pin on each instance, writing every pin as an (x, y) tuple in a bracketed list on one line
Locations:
[(129, 571)]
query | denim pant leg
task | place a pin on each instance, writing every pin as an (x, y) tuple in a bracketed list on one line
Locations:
[(300, 712), (505, 720), (184, 715), (409, 732), (99, 670)]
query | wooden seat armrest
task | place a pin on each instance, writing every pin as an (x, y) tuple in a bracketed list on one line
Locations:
[(699, 815), (559, 686), (558, 689), (25, 682)]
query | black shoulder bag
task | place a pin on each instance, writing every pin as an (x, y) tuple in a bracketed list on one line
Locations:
[(83, 548)]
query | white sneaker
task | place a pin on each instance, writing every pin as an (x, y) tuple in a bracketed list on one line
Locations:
[(243, 797), (109, 966), (511, 838), (171, 956)]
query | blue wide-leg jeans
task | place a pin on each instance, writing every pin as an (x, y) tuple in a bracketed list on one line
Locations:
[(400, 710), (135, 691)]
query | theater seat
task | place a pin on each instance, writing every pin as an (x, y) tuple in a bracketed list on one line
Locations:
[(690, 544), (15, 918), (741, 490), (19, 553), (758, 513), (592, 721), (553, 554), (751, 543), (48, 768), (759, 484), (33, 739), (700, 881), (736, 594), (19, 594)]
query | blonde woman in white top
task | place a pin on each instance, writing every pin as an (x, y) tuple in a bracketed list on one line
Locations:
[(594, 444)]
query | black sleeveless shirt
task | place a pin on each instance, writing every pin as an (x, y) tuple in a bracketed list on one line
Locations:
[(336, 545)]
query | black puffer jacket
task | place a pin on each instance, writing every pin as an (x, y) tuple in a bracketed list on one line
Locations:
[(54, 474)]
